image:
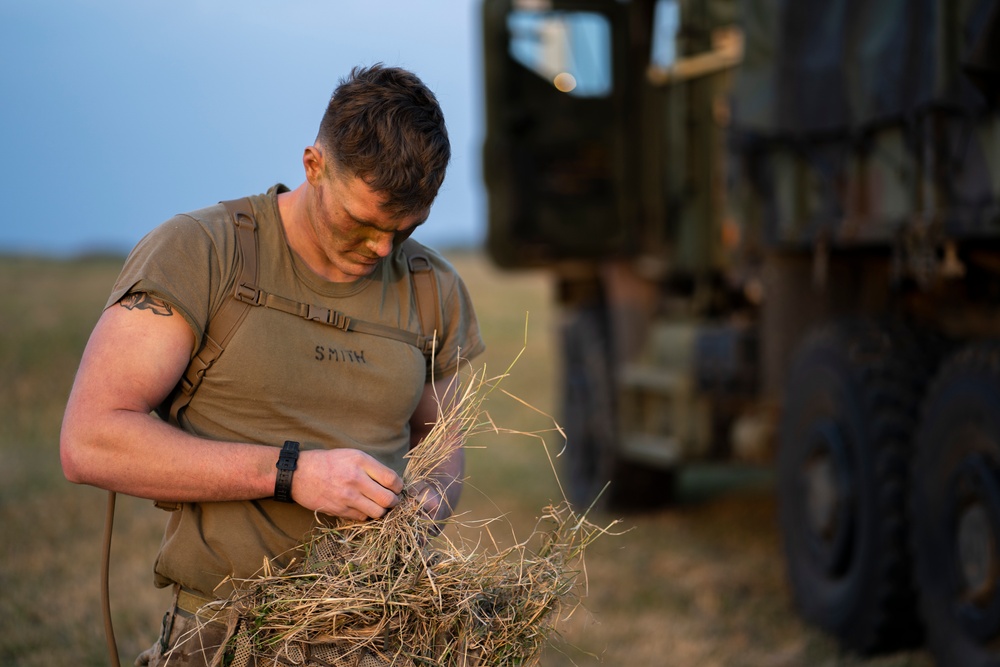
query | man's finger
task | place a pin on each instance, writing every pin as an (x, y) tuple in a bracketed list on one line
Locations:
[(385, 477)]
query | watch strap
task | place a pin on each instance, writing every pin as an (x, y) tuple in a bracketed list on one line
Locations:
[(288, 461)]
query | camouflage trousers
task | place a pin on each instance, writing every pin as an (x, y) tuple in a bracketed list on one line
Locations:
[(186, 640)]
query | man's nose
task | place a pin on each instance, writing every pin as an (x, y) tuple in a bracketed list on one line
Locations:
[(381, 243)]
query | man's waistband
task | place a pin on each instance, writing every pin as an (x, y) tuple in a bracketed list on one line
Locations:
[(193, 603)]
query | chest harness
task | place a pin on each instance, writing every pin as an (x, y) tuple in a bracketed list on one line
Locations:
[(247, 295), (231, 313)]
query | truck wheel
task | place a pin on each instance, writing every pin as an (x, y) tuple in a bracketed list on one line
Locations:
[(955, 504), (851, 403), (587, 411), (594, 471)]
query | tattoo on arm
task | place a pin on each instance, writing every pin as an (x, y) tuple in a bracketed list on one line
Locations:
[(144, 301)]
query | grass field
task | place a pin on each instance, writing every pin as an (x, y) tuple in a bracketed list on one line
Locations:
[(698, 585)]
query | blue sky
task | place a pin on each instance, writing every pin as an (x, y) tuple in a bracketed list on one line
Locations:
[(116, 114)]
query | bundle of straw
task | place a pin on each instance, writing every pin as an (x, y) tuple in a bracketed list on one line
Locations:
[(397, 591)]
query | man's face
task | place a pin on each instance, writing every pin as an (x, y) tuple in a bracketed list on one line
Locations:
[(350, 227)]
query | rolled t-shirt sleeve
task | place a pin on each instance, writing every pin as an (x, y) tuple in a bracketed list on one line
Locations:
[(180, 262)]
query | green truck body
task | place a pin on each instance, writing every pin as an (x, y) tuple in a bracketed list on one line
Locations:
[(775, 231)]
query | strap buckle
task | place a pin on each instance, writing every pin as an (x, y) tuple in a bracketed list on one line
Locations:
[(334, 318), (339, 320), (419, 263), (427, 344), (248, 294)]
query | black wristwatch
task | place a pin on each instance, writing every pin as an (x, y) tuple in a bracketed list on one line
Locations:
[(288, 460)]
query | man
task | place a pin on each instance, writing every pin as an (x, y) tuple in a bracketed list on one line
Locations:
[(356, 402)]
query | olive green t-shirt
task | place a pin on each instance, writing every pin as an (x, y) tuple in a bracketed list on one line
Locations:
[(282, 377)]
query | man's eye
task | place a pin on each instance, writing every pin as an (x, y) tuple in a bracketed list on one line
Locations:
[(401, 236)]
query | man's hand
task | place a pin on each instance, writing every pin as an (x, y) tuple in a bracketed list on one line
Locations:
[(432, 503), (346, 483), (439, 495)]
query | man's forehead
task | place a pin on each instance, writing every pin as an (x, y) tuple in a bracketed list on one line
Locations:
[(372, 213), (404, 222), (409, 219)]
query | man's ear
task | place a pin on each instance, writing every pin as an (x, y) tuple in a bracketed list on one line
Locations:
[(314, 163)]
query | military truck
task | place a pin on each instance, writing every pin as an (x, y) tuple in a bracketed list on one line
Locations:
[(775, 232)]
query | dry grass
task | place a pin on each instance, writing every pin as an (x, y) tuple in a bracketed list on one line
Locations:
[(397, 590), (50, 530), (701, 584)]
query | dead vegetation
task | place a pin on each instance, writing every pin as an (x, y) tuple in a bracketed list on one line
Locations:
[(400, 591)]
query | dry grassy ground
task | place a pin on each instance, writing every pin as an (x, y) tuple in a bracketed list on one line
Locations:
[(700, 584)]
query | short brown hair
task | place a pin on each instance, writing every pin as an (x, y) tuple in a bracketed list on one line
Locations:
[(385, 126)]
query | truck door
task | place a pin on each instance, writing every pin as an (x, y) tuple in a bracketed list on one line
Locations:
[(554, 153)]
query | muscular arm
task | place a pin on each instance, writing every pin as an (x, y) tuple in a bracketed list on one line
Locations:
[(449, 474), (135, 356)]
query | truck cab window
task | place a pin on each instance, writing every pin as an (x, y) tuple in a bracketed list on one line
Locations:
[(665, 19), (572, 50)]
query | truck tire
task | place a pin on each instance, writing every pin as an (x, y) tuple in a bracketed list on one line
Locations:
[(955, 505), (595, 474), (587, 408), (842, 469)]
